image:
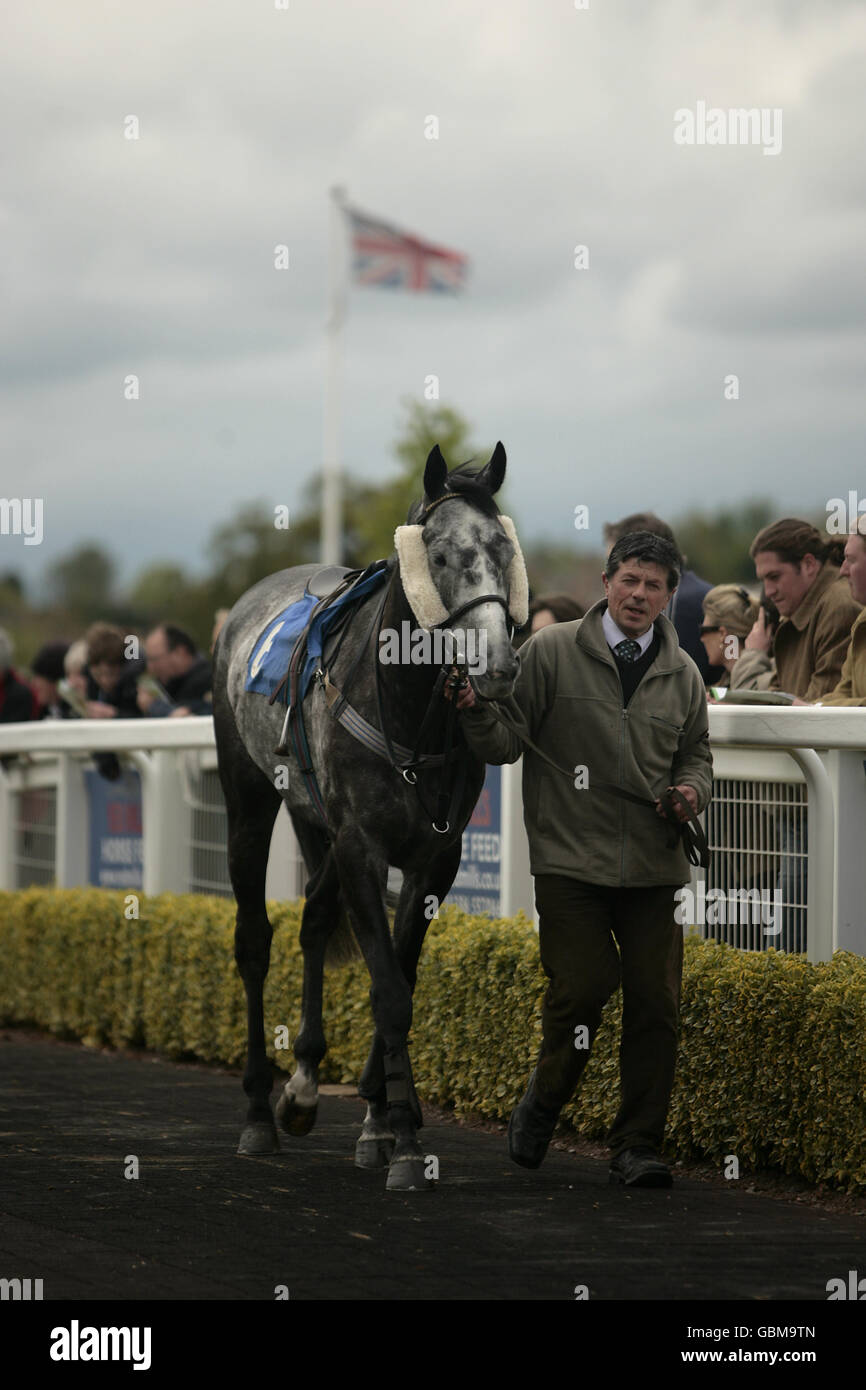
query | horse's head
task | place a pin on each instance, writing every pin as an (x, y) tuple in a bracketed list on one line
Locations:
[(462, 569)]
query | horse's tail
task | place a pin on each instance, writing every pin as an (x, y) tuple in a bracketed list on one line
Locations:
[(342, 947)]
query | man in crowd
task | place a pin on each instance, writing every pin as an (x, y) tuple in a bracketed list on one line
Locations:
[(46, 671), (112, 677), (182, 671), (799, 572), (553, 608), (17, 700), (851, 689), (800, 576), (613, 694)]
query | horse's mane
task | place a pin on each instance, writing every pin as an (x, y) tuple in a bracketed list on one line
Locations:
[(463, 480)]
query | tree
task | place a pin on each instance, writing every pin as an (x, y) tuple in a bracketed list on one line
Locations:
[(251, 546), (373, 512), (157, 590), (717, 546), (12, 583), (83, 583)]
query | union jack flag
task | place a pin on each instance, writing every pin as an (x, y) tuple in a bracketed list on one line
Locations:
[(391, 259)]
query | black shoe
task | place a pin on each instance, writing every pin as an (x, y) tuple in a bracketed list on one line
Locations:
[(639, 1167), (530, 1128)]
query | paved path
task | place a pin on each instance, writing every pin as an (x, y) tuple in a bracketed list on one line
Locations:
[(202, 1223)]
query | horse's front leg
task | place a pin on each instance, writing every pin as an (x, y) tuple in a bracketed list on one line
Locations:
[(375, 1144), (362, 876)]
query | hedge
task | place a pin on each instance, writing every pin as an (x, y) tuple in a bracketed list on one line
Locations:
[(772, 1057)]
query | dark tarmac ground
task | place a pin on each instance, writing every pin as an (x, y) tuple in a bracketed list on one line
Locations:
[(202, 1223)]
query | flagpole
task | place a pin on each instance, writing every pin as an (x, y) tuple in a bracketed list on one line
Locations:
[(332, 499)]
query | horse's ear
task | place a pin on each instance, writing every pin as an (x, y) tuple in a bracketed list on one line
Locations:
[(435, 473), (493, 473)]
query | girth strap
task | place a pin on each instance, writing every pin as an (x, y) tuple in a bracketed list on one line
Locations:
[(367, 733)]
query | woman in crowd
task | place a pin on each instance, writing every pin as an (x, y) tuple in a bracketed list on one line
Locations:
[(730, 613)]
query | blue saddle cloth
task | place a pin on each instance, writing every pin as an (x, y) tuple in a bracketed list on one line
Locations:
[(270, 656)]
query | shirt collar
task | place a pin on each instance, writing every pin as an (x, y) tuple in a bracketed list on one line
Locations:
[(614, 634)]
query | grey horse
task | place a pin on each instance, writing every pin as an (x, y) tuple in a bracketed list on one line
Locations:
[(459, 561)]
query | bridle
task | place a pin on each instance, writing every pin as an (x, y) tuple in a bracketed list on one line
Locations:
[(473, 602), (452, 676)]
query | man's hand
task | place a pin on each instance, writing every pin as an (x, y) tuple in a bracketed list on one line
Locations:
[(691, 797), (144, 699), (97, 710), (466, 696), (179, 713), (758, 639)]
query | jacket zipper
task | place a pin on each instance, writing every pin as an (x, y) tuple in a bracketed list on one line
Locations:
[(622, 728)]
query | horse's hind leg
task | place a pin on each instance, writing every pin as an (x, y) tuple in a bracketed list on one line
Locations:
[(296, 1107), (252, 803)]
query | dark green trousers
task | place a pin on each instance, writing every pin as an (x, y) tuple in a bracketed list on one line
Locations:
[(580, 926)]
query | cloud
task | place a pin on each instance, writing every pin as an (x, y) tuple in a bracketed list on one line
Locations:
[(156, 256)]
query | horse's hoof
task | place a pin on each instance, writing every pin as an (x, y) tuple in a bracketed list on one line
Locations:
[(374, 1153), (259, 1138), (293, 1118), (409, 1174)]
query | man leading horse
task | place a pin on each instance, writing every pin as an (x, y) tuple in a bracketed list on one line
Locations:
[(613, 696)]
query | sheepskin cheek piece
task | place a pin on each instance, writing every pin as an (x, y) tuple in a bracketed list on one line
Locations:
[(421, 592)]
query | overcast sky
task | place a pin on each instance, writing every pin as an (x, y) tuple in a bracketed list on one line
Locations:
[(155, 256)]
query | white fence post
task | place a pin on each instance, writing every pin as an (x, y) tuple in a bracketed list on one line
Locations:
[(281, 880), (166, 819), (515, 880), (822, 832), (848, 779), (73, 821), (7, 834)]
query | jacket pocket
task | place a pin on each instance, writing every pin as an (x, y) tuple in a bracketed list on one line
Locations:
[(654, 745), (668, 723)]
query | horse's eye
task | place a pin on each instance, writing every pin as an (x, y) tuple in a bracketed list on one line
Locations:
[(440, 560)]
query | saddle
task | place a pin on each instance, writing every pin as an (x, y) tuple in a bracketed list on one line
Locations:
[(328, 579), (331, 596)]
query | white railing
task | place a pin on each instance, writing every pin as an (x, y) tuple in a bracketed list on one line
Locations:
[(183, 813), (823, 749), (779, 773)]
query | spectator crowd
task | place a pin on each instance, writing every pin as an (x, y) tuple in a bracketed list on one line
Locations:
[(109, 674), (802, 636)]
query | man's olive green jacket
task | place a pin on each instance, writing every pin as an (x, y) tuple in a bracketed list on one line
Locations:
[(568, 700)]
